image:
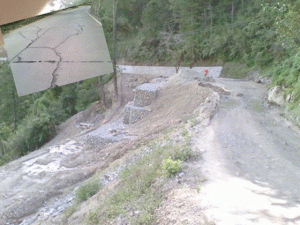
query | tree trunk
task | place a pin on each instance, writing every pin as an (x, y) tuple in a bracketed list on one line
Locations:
[(101, 91), (115, 34), (205, 23), (232, 12), (15, 110), (211, 19)]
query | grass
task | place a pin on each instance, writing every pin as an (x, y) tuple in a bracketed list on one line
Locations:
[(140, 187), (83, 193), (88, 189), (235, 70), (192, 119), (293, 113), (230, 103), (141, 184), (14, 25)]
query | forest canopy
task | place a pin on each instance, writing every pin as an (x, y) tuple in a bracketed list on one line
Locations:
[(241, 35)]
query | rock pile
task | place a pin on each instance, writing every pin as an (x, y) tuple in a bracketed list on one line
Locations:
[(144, 95)]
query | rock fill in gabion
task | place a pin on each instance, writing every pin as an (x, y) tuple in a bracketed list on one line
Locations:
[(144, 95)]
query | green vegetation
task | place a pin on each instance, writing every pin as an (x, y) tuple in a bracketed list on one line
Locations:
[(14, 25), (242, 36), (30, 121), (140, 188), (171, 166), (87, 190), (197, 32)]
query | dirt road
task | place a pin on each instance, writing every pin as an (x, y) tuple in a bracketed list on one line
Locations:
[(252, 161)]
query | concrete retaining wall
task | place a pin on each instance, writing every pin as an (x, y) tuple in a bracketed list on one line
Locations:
[(170, 71)]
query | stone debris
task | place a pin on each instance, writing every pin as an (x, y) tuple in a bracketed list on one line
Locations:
[(215, 88), (51, 211), (108, 133), (86, 126)]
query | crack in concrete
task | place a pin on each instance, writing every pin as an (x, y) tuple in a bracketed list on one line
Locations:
[(32, 42), (39, 29), (78, 32), (37, 34), (54, 74), (53, 61), (40, 61), (22, 35)]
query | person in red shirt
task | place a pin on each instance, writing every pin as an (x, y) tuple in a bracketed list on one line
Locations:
[(205, 72)]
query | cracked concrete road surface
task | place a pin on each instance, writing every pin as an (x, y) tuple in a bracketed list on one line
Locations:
[(63, 48)]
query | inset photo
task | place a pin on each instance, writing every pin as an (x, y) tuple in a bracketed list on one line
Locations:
[(56, 49)]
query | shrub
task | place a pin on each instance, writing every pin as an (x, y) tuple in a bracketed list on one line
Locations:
[(88, 189), (31, 134), (171, 166), (182, 153)]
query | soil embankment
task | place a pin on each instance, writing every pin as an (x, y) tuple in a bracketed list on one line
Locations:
[(251, 165), (249, 173)]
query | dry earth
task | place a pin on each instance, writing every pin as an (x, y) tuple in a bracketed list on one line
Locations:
[(38, 187), (249, 172), (251, 165)]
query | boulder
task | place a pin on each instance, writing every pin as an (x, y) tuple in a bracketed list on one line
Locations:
[(276, 95), (290, 97)]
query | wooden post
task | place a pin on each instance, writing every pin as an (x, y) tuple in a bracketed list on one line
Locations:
[(211, 19), (15, 109), (101, 91), (232, 11), (115, 34)]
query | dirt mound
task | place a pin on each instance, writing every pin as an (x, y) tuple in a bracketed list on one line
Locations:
[(176, 101)]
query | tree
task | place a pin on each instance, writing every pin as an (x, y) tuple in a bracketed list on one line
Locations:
[(115, 35)]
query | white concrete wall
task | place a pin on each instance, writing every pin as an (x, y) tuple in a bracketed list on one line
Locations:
[(170, 71)]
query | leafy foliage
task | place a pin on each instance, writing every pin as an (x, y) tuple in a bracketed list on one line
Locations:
[(190, 31), (171, 166), (141, 183), (26, 123), (88, 189)]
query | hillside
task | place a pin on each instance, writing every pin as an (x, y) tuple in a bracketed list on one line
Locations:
[(204, 155), (207, 150), (248, 38)]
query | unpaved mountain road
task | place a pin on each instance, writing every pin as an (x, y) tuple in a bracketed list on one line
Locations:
[(251, 160)]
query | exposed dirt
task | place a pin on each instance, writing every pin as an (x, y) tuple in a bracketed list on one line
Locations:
[(251, 165), (43, 177), (249, 173), (36, 188)]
